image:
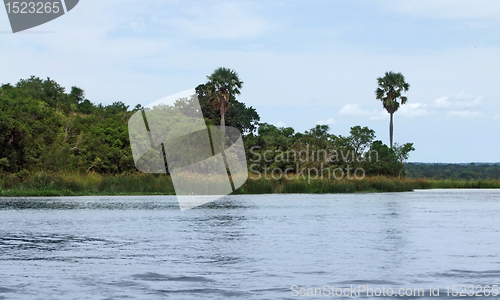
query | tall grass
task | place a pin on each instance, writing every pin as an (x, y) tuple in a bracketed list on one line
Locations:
[(61, 184), (323, 186), (465, 184), (66, 184)]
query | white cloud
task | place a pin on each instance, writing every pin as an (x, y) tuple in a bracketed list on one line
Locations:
[(464, 114), (462, 105), (409, 110), (379, 115), (461, 101), (329, 121), (412, 110), (355, 110), (442, 102), (476, 102)]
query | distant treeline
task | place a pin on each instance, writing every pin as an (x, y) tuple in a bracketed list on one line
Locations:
[(472, 171)]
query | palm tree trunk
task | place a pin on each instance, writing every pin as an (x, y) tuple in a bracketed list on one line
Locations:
[(223, 125), (222, 119), (391, 130), (223, 143)]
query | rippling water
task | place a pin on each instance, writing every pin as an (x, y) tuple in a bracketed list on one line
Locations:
[(247, 247)]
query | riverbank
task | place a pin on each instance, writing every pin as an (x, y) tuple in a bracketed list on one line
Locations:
[(73, 184)]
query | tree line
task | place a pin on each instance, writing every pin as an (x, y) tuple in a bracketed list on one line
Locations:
[(43, 127)]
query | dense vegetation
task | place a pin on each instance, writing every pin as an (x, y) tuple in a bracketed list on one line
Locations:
[(44, 128), (57, 142)]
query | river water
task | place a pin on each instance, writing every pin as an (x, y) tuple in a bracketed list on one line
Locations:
[(251, 246)]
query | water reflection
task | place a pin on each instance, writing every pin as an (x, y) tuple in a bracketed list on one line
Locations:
[(396, 234), (220, 228)]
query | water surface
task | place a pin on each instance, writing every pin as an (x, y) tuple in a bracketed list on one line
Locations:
[(247, 246)]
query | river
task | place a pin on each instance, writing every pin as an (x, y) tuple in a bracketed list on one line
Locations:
[(251, 246)]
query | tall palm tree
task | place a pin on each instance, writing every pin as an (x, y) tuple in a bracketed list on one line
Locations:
[(221, 86), (389, 92)]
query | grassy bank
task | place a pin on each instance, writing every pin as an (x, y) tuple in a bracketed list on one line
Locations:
[(73, 184)]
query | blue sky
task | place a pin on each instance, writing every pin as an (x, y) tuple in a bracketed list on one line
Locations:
[(302, 62)]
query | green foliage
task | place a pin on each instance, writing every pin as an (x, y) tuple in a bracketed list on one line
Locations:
[(237, 114), (390, 89), (361, 138), (44, 128), (403, 151), (283, 148), (381, 160)]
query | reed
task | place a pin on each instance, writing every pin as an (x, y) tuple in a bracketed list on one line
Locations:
[(465, 184), (65, 184), (74, 184)]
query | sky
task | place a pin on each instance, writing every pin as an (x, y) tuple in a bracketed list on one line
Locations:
[(303, 63)]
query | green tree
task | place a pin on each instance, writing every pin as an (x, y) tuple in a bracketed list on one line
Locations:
[(361, 138), (77, 95), (389, 91), (27, 127), (381, 160), (238, 115), (402, 153), (222, 84)]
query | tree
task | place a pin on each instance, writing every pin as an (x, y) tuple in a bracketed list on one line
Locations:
[(222, 85), (77, 95), (389, 91), (317, 137), (238, 115), (381, 160), (403, 151), (361, 138)]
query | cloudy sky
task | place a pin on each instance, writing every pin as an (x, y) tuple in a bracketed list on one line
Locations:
[(302, 62)]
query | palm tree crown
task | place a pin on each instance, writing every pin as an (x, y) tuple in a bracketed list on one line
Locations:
[(222, 85)]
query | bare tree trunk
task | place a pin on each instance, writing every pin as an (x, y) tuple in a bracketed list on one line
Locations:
[(391, 130)]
